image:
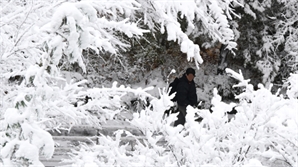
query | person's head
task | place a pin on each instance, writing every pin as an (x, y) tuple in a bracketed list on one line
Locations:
[(190, 74)]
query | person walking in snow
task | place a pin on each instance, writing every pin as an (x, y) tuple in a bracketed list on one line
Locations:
[(186, 94)]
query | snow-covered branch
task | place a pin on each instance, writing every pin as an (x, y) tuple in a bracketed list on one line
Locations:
[(212, 14)]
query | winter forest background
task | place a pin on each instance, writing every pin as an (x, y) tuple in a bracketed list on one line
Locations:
[(122, 55)]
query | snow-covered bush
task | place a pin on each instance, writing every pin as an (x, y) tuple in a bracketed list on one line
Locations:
[(114, 151), (22, 139), (262, 133)]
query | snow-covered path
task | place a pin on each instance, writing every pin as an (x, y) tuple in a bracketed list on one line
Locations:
[(65, 142)]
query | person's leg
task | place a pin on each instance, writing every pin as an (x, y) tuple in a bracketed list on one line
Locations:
[(181, 116)]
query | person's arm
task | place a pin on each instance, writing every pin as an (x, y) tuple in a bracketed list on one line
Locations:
[(193, 98)]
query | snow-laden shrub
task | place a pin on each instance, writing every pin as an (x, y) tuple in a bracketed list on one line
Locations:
[(265, 124), (110, 103), (261, 133), (22, 139), (30, 110), (110, 152)]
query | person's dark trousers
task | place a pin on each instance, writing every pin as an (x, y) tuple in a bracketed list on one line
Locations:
[(181, 115)]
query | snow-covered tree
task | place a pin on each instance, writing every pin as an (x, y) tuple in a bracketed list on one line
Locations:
[(39, 38), (266, 37), (214, 17), (286, 34), (34, 43)]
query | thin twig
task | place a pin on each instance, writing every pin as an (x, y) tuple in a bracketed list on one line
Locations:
[(21, 37), (175, 156), (23, 24), (292, 142), (286, 160)]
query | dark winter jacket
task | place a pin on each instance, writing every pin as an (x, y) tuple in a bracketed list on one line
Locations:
[(186, 92)]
